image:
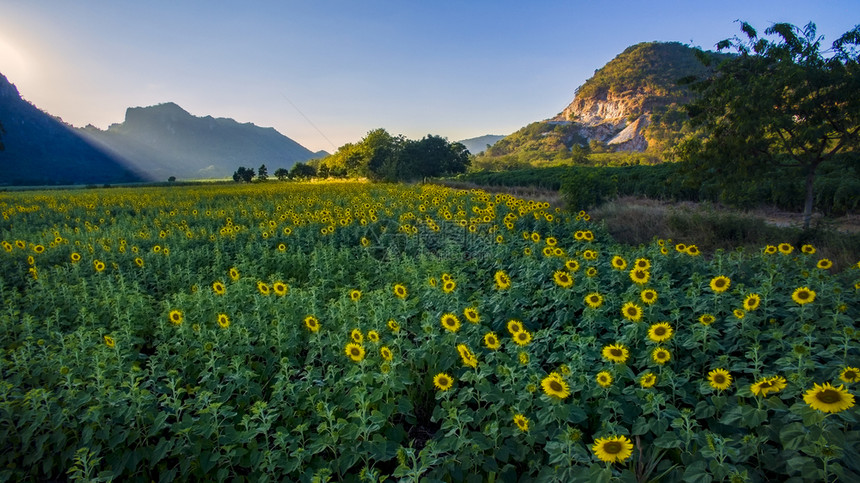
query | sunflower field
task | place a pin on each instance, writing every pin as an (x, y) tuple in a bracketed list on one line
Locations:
[(347, 331)]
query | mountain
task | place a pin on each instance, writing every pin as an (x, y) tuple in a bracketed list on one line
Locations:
[(165, 140), (633, 103), (43, 150), (480, 143)]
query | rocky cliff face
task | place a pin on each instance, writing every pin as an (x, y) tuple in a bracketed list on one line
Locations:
[(617, 119)]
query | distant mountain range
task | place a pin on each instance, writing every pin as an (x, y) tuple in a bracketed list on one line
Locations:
[(480, 143), (153, 143)]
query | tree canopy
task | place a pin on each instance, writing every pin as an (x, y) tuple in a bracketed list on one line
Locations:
[(778, 102)]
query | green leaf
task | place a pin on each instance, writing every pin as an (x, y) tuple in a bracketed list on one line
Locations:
[(793, 435), (668, 440), (640, 426), (697, 473)]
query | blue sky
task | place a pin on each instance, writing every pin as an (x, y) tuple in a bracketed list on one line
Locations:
[(458, 69)]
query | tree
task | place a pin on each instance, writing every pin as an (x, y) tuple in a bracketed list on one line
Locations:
[(243, 174), (779, 102), (282, 174), (302, 171), (262, 173), (2, 132)]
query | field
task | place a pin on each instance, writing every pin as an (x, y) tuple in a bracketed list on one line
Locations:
[(366, 332)]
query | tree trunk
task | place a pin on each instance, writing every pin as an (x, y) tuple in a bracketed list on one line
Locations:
[(807, 206)]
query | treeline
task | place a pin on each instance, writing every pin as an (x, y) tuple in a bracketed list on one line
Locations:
[(379, 156), (837, 185)]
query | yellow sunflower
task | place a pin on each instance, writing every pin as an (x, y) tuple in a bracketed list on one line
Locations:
[(223, 321), (614, 449), (850, 374), (522, 338), (785, 248), (443, 381), (571, 265), (372, 336), (354, 351), (554, 386), (616, 353), (175, 317), (768, 385), (604, 378), (803, 295), (619, 263), (752, 302), (639, 276), (523, 357), (642, 264), (263, 287), (503, 281), (661, 355), (631, 312), (720, 283), (280, 288), (75, 257), (720, 379), (829, 399), (693, 251), (681, 248), (98, 265), (491, 341), (808, 249), (706, 319), (562, 279), (450, 322), (448, 286), (648, 380), (218, 288), (594, 300), (356, 336), (589, 255), (660, 332), (312, 324), (234, 274), (110, 341), (393, 326), (649, 296), (591, 272), (770, 249), (514, 326), (469, 359), (824, 264), (472, 315), (521, 422), (355, 295), (400, 291), (386, 353)]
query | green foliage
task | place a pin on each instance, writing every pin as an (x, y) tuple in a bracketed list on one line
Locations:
[(243, 174), (778, 103), (262, 173), (282, 174), (302, 171)]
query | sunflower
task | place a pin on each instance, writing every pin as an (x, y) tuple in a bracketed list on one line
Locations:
[(661, 355), (355, 295), (785, 248), (503, 281), (616, 353), (767, 385), (639, 276), (808, 249), (612, 449), (591, 272), (263, 288), (354, 351), (829, 399), (648, 380), (588, 236), (803, 295), (693, 250), (110, 341), (681, 248), (312, 323), (752, 302), (604, 378), (386, 353), (443, 381), (450, 322), (75, 257), (522, 422), (138, 261), (234, 274), (850, 374), (282, 247), (720, 379), (448, 286), (770, 249), (660, 332), (562, 279), (594, 300), (20, 244), (356, 336), (642, 264), (400, 291), (527, 251), (372, 336), (472, 315), (491, 341), (431, 281), (175, 317), (223, 321), (393, 326), (706, 319), (280, 288), (571, 265), (631, 312), (824, 264), (554, 386), (551, 241), (649, 296), (98, 265), (522, 338), (619, 263), (523, 357), (515, 326), (589, 255), (720, 283), (739, 313), (469, 359), (535, 237)]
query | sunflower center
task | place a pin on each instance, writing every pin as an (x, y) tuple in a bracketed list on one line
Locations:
[(661, 355), (594, 300), (720, 283), (631, 311), (615, 352), (803, 295), (660, 331), (851, 375), (829, 396), (355, 352), (719, 379), (612, 447), (555, 386), (443, 381)]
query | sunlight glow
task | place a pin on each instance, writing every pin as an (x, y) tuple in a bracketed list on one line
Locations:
[(12, 64)]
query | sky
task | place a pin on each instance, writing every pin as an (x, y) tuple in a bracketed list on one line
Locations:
[(326, 72)]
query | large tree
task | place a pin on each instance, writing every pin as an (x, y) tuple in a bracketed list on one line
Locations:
[(781, 101)]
